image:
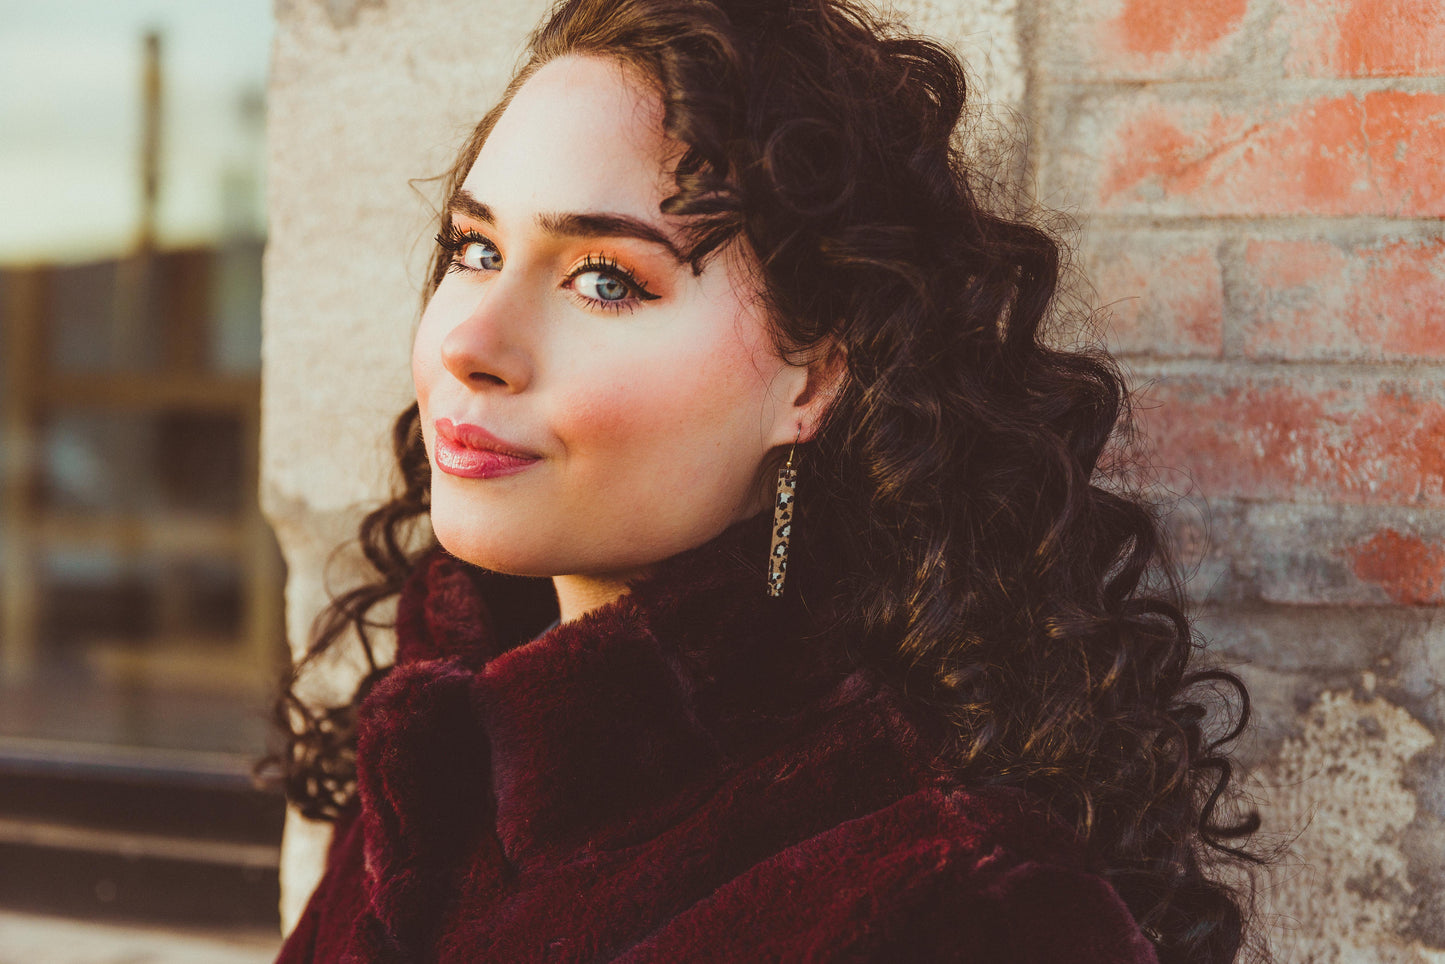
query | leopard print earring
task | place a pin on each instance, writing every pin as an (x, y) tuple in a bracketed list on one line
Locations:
[(782, 524)]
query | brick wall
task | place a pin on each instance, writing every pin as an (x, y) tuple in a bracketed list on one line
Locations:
[(1261, 184)]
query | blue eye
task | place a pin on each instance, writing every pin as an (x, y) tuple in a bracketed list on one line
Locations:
[(478, 255), (601, 282), (468, 250), (600, 286)]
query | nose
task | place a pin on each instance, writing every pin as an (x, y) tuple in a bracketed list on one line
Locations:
[(486, 349)]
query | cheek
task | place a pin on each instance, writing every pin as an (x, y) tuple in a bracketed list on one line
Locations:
[(672, 407), (426, 364), (619, 413), (641, 399)]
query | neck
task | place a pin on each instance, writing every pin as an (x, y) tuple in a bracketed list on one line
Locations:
[(578, 595)]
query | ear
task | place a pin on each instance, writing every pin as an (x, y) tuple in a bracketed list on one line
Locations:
[(815, 382)]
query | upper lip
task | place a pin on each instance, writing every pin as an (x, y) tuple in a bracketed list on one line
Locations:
[(476, 437)]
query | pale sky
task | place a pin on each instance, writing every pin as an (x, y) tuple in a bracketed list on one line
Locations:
[(70, 122)]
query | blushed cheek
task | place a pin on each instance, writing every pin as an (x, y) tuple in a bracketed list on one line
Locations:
[(664, 414), (614, 417)]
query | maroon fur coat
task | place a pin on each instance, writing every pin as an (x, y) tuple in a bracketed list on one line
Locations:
[(677, 777)]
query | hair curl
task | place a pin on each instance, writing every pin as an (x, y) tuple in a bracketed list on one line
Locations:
[(1004, 577)]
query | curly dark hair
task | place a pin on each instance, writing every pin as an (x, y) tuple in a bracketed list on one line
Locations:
[(1005, 577)]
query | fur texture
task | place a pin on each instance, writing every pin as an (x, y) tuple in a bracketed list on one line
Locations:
[(681, 776)]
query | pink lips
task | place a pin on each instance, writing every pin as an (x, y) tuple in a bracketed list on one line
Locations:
[(471, 452)]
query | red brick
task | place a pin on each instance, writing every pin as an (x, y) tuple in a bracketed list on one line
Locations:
[(1092, 40), (1162, 38), (1405, 133), (1311, 555), (1321, 300), (1364, 38), (1161, 294), (1167, 26), (1410, 570), (1301, 438), (1377, 154)]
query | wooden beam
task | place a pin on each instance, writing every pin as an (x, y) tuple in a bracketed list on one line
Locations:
[(26, 293), (167, 535), (194, 392)]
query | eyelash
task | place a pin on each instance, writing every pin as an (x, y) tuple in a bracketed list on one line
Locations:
[(453, 239)]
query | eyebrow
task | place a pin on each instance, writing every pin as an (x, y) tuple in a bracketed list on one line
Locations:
[(574, 224)]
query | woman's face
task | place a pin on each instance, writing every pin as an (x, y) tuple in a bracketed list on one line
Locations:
[(589, 405)]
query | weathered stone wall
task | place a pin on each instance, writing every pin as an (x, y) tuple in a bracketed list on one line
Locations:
[(1259, 184)]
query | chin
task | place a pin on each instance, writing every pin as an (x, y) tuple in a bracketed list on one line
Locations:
[(490, 539), (491, 554)]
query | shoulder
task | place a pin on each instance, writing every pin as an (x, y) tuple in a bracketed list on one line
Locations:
[(955, 867), (939, 875), (323, 930), (975, 869), (973, 875)]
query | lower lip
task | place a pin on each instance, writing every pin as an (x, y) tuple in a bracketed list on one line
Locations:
[(454, 459)]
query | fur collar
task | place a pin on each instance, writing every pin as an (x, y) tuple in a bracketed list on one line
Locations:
[(585, 735)]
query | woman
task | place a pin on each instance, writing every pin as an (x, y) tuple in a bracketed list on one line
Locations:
[(707, 257)]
